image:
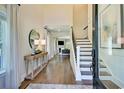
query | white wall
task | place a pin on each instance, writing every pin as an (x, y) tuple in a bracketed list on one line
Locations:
[(67, 43), (90, 27), (30, 18), (80, 20), (58, 14), (51, 46)]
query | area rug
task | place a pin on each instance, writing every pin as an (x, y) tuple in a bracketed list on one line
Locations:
[(58, 86)]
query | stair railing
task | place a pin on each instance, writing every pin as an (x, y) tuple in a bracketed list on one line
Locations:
[(78, 56), (74, 42), (72, 53), (86, 27), (85, 31), (78, 63), (75, 57)]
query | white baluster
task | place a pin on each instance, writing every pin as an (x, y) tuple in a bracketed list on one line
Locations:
[(78, 74)]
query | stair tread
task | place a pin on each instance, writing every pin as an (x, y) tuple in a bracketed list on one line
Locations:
[(85, 51), (85, 55), (102, 66), (82, 41), (104, 73), (86, 72), (85, 47), (86, 82), (85, 65), (87, 60), (109, 84), (86, 43), (82, 38)]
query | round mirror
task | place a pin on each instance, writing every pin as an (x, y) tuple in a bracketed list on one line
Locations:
[(33, 37)]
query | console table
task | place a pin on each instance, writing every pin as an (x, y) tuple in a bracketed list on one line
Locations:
[(36, 63)]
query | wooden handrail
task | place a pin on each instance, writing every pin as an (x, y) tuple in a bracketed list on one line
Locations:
[(74, 42), (85, 27)]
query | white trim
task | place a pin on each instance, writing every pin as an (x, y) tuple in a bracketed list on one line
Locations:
[(78, 74), (72, 57)]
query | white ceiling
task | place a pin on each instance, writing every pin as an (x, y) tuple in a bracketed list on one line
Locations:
[(59, 31), (58, 28)]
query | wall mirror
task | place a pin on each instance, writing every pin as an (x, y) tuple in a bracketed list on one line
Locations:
[(34, 39)]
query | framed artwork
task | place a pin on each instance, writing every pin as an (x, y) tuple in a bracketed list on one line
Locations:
[(110, 27)]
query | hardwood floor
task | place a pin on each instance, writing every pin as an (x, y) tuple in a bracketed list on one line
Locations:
[(58, 71)]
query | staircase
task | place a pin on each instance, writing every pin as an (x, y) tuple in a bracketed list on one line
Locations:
[(85, 60)]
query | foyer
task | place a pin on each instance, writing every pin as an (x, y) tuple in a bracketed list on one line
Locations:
[(73, 45)]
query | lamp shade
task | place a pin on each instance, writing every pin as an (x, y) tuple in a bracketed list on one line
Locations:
[(36, 42), (43, 42)]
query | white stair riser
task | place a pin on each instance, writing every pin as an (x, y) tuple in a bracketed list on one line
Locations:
[(86, 49), (85, 53), (86, 63), (84, 69), (86, 57), (86, 77), (82, 40), (85, 45)]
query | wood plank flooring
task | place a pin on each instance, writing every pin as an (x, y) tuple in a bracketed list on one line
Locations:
[(58, 71)]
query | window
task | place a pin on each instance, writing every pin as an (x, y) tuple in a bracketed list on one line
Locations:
[(3, 23), (0, 46)]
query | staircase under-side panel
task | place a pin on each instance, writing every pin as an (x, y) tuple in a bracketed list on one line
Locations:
[(85, 60)]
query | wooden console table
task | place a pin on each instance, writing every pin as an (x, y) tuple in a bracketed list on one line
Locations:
[(36, 62)]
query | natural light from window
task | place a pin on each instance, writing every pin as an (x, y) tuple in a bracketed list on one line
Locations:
[(2, 35)]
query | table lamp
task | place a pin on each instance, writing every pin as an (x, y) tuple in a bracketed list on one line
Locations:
[(43, 43)]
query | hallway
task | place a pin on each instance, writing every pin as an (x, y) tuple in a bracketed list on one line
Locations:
[(58, 71)]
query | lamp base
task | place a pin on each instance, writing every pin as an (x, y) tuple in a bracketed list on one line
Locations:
[(35, 52)]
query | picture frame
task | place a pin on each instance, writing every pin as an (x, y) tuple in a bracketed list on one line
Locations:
[(111, 27)]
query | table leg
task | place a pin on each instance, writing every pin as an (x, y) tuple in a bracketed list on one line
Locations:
[(26, 64), (32, 66)]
